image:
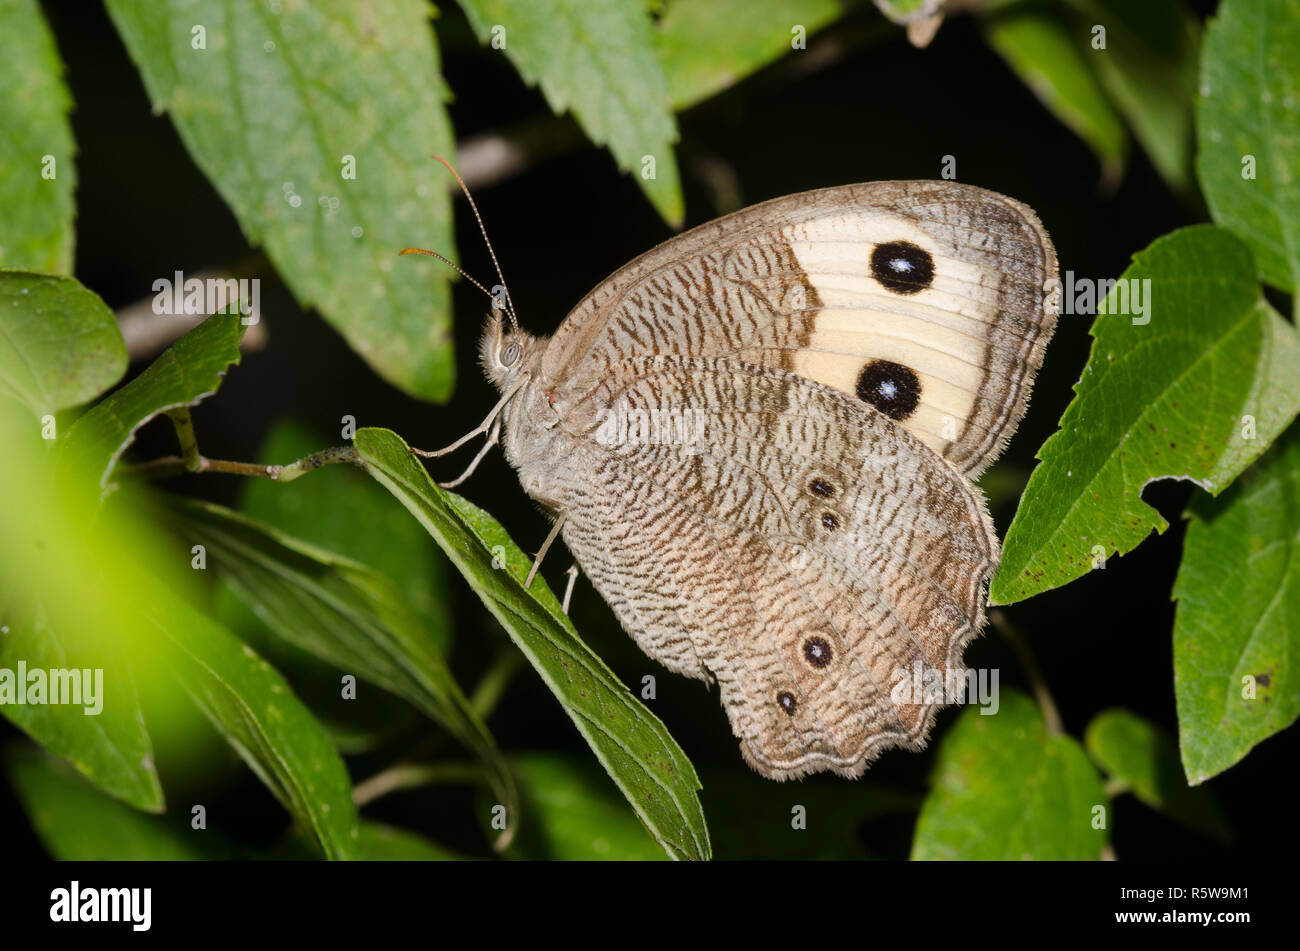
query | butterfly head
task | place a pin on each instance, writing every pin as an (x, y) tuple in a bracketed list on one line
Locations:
[(507, 353)]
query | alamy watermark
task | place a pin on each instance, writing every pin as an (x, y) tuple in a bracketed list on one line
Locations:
[(199, 296), (924, 684), (78, 687), (1127, 297), (621, 427)]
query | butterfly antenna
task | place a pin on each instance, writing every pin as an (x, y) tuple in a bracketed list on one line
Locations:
[(510, 307), (451, 264)]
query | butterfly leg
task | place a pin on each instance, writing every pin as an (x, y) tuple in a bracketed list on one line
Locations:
[(537, 562), (479, 430), (573, 573), (494, 436)]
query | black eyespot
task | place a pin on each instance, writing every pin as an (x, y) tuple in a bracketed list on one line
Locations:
[(830, 521), (890, 387), (902, 267), (817, 651), (785, 699), (820, 486)]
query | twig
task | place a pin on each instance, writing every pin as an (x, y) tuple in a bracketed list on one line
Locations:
[(1051, 716), (169, 466), (410, 775)]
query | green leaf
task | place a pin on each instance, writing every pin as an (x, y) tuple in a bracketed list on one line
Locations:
[(571, 812), (596, 58), (76, 823), (1237, 629), (189, 371), (1006, 789), (250, 704), (1149, 69), (37, 175), (1140, 755), (631, 743), (1250, 106), (705, 48), (327, 510), (66, 593), (1052, 62), (59, 343), (1196, 393), (272, 109), (342, 612), (385, 843), (909, 11)]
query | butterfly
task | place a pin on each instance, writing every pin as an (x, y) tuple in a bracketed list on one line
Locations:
[(759, 441)]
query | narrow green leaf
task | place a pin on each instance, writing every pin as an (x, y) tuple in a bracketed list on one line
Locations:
[(1006, 789), (1197, 392), (571, 812), (344, 511), (1248, 131), (1139, 754), (1237, 630), (187, 372), (59, 343), (1148, 67), (76, 823), (596, 58), (631, 743), (255, 710), (705, 48), (909, 11), (1039, 47), (37, 175), (316, 124), (342, 612)]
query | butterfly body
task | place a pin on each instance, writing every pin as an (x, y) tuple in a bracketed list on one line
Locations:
[(760, 438)]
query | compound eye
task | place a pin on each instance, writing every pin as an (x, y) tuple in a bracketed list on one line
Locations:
[(510, 354)]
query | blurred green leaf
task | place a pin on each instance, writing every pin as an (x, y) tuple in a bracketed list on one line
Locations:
[(37, 174), (1248, 121), (342, 510), (59, 344), (631, 743), (66, 588), (909, 11), (1197, 393), (596, 58), (1139, 754), (1006, 789), (1149, 69), (1237, 630), (76, 823), (189, 371), (572, 812), (274, 109), (250, 704), (385, 843), (1039, 46), (705, 48), (342, 612)]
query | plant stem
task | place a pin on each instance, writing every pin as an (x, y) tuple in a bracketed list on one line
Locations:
[(411, 775), (488, 692), (1051, 716), (169, 466)]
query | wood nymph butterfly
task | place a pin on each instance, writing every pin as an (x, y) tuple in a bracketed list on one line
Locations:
[(758, 440)]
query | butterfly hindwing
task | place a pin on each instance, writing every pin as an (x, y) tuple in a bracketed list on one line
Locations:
[(781, 537)]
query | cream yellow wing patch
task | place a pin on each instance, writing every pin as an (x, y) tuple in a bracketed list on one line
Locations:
[(903, 324)]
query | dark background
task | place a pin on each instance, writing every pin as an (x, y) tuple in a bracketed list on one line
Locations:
[(878, 110)]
